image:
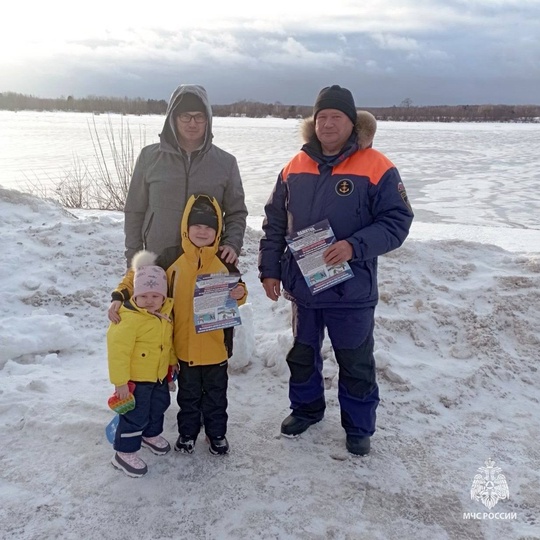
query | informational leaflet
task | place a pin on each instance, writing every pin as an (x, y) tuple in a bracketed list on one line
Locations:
[(307, 247), (213, 307)]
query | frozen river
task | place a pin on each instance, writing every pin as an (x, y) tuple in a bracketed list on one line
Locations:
[(472, 181)]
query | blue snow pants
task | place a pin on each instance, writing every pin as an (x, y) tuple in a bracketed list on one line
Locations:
[(146, 419), (351, 332)]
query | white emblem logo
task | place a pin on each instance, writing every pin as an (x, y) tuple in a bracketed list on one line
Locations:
[(489, 486)]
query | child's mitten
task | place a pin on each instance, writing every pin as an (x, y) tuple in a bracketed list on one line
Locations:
[(122, 406)]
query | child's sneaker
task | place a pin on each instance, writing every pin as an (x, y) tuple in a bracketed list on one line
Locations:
[(130, 463), (185, 444), (157, 445), (219, 445)]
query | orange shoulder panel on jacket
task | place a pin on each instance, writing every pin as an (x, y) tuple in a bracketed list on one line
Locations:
[(301, 163), (368, 162)]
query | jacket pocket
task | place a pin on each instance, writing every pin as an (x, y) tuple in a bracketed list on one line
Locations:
[(371, 266), (363, 287), (289, 270)]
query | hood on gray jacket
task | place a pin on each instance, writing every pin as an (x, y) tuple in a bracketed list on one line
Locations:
[(168, 135)]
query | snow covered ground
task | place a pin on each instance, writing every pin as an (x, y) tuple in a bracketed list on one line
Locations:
[(457, 346)]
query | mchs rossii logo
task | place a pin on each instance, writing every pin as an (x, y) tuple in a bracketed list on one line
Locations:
[(489, 486)]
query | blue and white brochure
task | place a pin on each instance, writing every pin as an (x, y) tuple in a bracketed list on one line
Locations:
[(213, 306), (307, 247)]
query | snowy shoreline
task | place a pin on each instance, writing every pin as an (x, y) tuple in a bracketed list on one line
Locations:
[(456, 346)]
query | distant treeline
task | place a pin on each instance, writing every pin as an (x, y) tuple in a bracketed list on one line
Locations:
[(94, 104), (405, 112)]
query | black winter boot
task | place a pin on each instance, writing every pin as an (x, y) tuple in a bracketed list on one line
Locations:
[(185, 444), (357, 445), (293, 426), (219, 445)]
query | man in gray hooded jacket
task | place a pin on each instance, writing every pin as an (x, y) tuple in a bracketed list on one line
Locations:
[(183, 163)]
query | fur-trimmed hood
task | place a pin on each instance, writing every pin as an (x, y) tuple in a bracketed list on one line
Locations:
[(365, 127)]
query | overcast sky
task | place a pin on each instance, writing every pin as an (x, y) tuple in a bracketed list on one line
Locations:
[(430, 51)]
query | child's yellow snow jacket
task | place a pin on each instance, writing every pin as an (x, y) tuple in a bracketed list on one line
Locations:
[(140, 347), (183, 265)]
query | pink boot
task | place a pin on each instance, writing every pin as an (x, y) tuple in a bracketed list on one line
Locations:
[(157, 445), (130, 463)]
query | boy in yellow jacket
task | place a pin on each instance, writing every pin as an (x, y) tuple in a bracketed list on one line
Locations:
[(140, 350), (203, 357)]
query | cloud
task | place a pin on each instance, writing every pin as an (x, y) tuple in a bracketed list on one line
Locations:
[(249, 49), (291, 52), (392, 42)]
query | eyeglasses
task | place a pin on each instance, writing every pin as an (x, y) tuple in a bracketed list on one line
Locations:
[(186, 118)]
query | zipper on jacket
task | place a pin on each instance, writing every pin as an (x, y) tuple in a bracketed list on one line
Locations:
[(187, 170), (147, 230), (170, 291)]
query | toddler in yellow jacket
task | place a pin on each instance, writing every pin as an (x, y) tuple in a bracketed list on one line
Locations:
[(140, 350)]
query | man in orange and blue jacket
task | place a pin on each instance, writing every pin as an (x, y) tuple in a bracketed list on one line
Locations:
[(337, 176)]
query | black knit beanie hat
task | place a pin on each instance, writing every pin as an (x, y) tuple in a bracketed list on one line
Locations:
[(190, 103), (335, 97), (203, 213)]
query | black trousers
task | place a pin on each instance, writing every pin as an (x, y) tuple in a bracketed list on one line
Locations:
[(202, 389)]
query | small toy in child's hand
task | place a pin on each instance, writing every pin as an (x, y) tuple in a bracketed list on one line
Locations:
[(122, 406), (172, 375)]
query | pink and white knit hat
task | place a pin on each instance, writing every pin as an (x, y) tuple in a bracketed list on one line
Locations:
[(148, 278)]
